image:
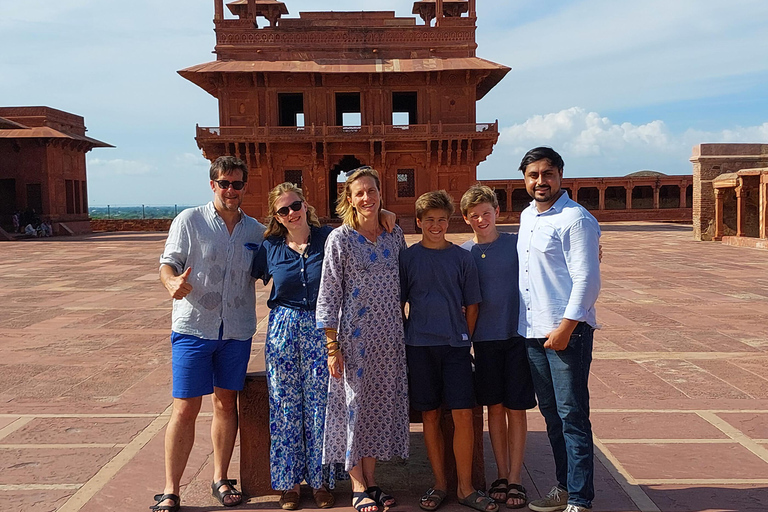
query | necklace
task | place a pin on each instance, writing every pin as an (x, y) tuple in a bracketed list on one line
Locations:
[(486, 249)]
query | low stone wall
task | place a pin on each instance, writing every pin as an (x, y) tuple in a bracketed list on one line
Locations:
[(130, 224)]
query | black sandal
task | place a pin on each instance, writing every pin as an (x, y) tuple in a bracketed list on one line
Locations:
[(220, 495), (500, 486), (357, 502), (380, 497), (159, 498), (516, 492)]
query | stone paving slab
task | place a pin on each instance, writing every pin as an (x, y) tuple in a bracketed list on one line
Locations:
[(679, 382)]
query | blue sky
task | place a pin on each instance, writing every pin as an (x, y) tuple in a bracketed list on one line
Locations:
[(615, 86)]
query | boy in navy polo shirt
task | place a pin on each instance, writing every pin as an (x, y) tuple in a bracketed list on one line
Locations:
[(437, 280), (503, 380)]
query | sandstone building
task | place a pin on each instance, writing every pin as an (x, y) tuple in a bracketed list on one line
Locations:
[(42, 166), (305, 99)]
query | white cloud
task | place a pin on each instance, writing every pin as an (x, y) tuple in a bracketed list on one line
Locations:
[(594, 145), (119, 167)]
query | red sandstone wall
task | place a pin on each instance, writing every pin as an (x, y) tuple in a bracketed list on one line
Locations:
[(130, 225)]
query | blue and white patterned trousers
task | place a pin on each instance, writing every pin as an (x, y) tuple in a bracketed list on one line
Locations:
[(297, 373)]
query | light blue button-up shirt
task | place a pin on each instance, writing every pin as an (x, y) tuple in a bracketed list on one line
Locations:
[(223, 291), (559, 267)]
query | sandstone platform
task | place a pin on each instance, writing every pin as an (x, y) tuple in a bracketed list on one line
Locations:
[(679, 381)]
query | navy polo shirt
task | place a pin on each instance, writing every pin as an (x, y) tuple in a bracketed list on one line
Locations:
[(295, 277)]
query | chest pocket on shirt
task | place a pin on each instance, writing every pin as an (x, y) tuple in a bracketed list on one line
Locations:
[(544, 239)]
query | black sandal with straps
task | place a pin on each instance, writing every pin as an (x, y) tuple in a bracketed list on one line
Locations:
[(220, 495), (159, 498)]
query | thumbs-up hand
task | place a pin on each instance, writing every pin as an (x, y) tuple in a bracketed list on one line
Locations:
[(178, 286)]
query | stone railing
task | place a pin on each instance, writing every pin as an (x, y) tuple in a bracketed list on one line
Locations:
[(298, 133)]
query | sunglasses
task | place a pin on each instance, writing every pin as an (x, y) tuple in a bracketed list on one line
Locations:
[(224, 184), (295, 206)]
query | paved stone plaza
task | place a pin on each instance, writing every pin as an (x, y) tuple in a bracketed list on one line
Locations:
[(679, 382)]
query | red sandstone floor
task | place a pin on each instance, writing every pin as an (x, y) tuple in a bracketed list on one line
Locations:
[(679, 381)]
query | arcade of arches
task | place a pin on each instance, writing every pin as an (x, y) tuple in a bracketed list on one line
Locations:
[(644, 195)]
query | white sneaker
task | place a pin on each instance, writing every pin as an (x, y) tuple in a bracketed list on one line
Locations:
[(576, 508), (556, 500)]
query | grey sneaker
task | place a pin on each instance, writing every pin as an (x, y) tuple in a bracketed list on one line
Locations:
[(557, 499), (576, 508)]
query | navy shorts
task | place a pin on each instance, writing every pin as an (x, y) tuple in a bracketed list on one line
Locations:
[(440, 377), (502, 374), (200, 364)]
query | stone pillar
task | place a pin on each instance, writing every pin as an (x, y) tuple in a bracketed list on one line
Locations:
[(740, 213), (473, 8), (630, 186), (602, 197), (438, 12), (764, 205), (719, 193), (218, 9), (656, 192), (683, 190), (254, 436)]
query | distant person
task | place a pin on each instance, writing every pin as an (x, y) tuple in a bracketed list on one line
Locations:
[(16, 221), (440, 285), (206, 269), (502, 376), (45, 228), (296, 356), (358, 307), (558, 249), (30, 230)]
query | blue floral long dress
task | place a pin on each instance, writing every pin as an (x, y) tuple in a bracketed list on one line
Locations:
[(367, 412)]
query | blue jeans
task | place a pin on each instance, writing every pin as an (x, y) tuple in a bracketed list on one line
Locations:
[(560, 380)]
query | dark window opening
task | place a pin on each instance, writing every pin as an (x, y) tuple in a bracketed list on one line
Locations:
[(589, 198), (520, 199), (501, 197), (7, 196), (669, 196), (615, 198), (348, 111), (689, 196), (404, 108), (35, 197), (291, 107), (294, 176), (570, 194), (84, 197), (642, 198), (406, 183)]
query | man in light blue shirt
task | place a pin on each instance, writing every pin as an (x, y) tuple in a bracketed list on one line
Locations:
[(558, 249), (206, 269)]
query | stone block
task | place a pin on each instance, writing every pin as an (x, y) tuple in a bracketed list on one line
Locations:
[(254, 435)]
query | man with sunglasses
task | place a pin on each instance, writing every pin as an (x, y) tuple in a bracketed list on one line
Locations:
[(206, 269)]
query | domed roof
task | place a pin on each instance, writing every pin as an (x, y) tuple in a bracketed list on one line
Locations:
[(645, 174)]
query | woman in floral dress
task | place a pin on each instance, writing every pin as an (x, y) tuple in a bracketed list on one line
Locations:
[(358, 306)]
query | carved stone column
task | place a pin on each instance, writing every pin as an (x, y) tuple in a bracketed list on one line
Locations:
[(629, 196), (601, 189), (740, 213), (719, 193), (656, 192), (683, 190)]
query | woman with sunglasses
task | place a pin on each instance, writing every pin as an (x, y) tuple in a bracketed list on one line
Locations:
[(358, 306), (297, 371)]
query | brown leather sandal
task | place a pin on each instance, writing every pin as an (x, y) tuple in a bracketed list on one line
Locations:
[(323, 497), (289, 500)]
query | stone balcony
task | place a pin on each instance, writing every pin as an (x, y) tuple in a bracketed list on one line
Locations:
[(414, 132)]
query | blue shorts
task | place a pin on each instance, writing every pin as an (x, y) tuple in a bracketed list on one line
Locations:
[(199, 364), (440, 376)]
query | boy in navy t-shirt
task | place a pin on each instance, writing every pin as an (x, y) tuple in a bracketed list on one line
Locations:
[(502, 376), (437, 280)]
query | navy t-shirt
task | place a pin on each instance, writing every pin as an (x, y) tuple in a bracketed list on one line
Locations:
[(295, 277), (497, 315), (436, 284)]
